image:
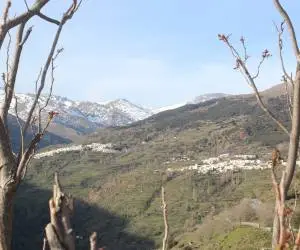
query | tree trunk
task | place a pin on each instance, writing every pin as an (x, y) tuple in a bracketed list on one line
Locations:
[(293, 151), (294, 135), (275, 234), (7, 191), (6, 219)]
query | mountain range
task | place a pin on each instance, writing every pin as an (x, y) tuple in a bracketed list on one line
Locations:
[(77, 118)]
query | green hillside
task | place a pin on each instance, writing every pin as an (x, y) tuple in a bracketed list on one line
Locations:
[(118, 195)]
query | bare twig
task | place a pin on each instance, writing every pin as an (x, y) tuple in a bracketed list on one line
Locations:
[(280, 31), (48, 19), (287, 79), (30, 150), (250, 80), (246, 56), (22, 18), (288, 97), (50, 90), (26, 4), (259, 66), (9, 90), (67, 15), (7, 62), (19, 124), (290, 26)]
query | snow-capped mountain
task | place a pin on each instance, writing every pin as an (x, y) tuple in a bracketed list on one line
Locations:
[(207, 97), (83, 116), (198, 99), (170, 107)]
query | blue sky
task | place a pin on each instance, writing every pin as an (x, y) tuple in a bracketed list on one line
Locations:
[(154, 52)]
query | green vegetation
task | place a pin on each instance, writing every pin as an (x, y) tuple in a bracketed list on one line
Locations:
[(119, 194)]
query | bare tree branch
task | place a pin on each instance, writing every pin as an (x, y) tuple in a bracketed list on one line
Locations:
[(9, 88), (287, 79), (48, 19), (50, 91), (288, 97), (27, 155), (22, 18), (19, 124), (250, 80), (290, 26), (280, 48), (67, 15), (246, 56), (259, 66), (6, 10)]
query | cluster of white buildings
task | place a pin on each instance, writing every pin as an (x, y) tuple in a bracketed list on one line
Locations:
[(225, 163), (96, 147)]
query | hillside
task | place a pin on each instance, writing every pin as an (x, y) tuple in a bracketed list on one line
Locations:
[(118, 190), (50, 139)]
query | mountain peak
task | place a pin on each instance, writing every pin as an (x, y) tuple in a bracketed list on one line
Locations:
[(83, 116)]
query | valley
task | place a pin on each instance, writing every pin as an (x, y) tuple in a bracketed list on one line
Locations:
[(212, 158)]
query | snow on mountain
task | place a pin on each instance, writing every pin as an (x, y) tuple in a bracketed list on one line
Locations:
[(198, 99), (170, 107), (133, 111), (83, 116), (207, 97), (87, 116)]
